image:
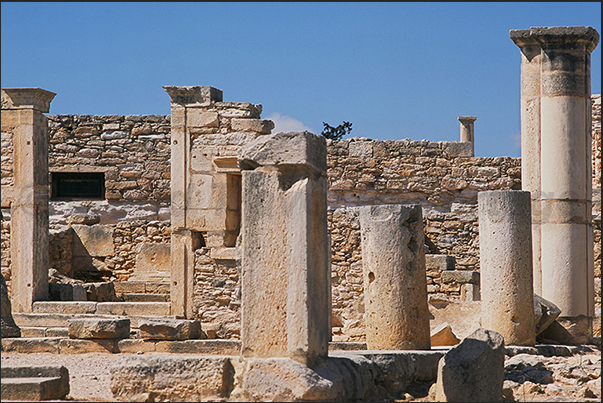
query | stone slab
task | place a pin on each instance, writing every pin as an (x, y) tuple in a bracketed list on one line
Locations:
[(34, 383), (170, 329), (134, 346), (460, 276), (31, 345), (79, 346), (64, 307), (99, 328), (439, 262), (93, 240), (178, 379), (134, 308), (211, 346), (152, 260)]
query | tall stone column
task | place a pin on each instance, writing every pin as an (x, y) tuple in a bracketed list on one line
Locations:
[(565, 169), (506, 265), (285, 276), (467, 130), (395, 281), (531, 59), (23, 109)]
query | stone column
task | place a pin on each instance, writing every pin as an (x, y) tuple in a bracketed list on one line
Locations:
[(505, 239), (565, 171), (183, 240), (467, 123), (530, 138), (285, 276), (395, 282), (23, 109)]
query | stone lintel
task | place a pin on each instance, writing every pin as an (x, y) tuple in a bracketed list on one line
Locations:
[(467, 119), (187, 95), (27, 98)]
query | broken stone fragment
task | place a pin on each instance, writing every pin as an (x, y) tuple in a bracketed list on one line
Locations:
[(99, 328), (443, 336), (474, 370), (170, 329)]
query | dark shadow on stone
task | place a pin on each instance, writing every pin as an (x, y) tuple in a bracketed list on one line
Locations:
[(8, 328)]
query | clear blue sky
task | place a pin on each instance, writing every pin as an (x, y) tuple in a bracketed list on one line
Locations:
[(395, 70)]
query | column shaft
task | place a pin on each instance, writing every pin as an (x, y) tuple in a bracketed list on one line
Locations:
[(506, 265), (395, 284)]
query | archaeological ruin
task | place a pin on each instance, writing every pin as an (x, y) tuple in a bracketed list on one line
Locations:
[(278, 266)]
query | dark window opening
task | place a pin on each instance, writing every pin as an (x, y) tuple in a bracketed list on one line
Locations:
[(78, 185)]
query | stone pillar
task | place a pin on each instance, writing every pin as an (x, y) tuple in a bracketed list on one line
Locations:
[(184, 240), (467, 130), (562, 71), (530, 138), (23, 109), (285, 276), (505, 239), (395, 282)]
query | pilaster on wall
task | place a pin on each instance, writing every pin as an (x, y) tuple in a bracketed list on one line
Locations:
[(23, 117), (205, 179)]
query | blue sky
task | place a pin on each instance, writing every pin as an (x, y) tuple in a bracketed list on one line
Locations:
[(395, 70)]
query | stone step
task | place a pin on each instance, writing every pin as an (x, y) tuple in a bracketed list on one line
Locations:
[(103, 308), (34, 383), (44, 332), (141, 287), (136, 297), (58, 320)]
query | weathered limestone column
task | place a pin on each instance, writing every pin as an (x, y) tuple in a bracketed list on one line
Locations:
[(285, 276), (183, 240), (505, 239), (395, 282), (567, 233), (565, 183), (530, 138), (467, 130), (23, 109)]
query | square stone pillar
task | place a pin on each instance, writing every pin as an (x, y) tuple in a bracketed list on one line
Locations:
[(185, 105), (285, 276), (23, 113), (565, 170)]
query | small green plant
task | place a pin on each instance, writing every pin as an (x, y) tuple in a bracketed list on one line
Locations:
[(336, 133)]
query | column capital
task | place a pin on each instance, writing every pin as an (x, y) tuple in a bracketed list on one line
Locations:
[(468, 119), (193, 95), (27, 98), (556, 36)]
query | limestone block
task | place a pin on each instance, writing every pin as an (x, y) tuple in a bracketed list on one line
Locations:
[(198, 118), (473, 371), (505, 237), (86, 346), (252, 125), (169, 329), (169, 378), (101, 291), (460, 276), (443, 336), (457, 149), (8, 328), (153, 262), (93, 240), (439, 262), (287, 148), (361, 149), (395, 285), (545, 312), (37, 383), (97, 328)]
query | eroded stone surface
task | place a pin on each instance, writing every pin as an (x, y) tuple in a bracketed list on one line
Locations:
[(97, 328), (170, 329), (473, 371)]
